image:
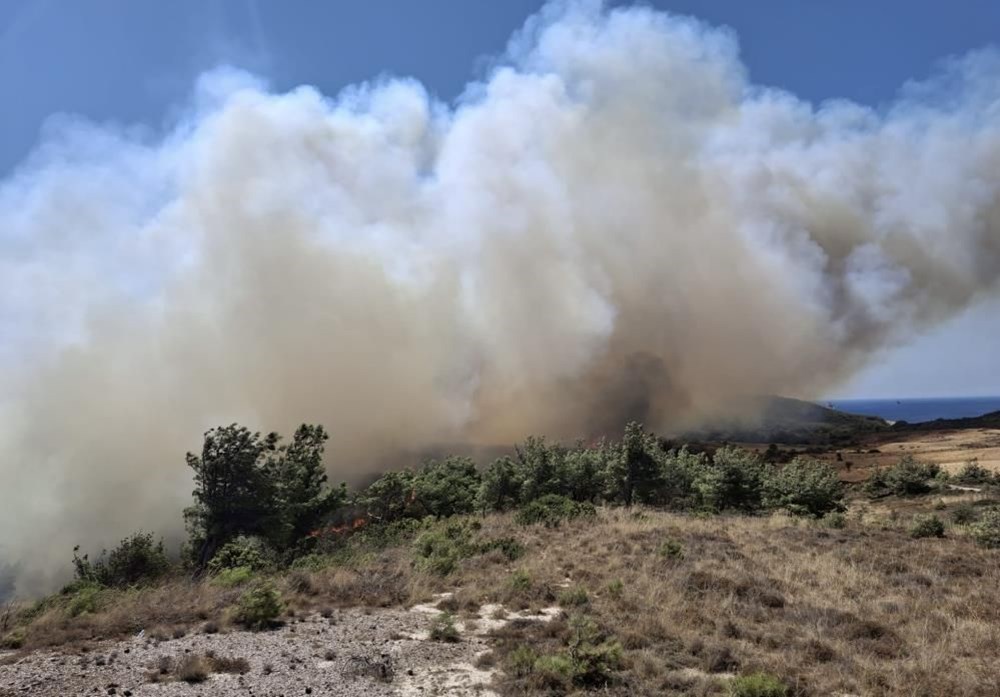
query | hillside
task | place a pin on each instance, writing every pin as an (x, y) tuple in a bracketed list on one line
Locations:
[(774, 419), (639, 602)]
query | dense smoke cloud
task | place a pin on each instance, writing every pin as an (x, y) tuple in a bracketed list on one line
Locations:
[(613, 224)]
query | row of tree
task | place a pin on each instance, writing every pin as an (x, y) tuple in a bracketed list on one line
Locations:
[(253, 485)]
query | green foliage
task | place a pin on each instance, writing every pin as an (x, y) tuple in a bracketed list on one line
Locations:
[(391, 497), (836, 520), (574, 597), (805, 488), (986, 531), (301, 498), (586, 471), (973, 473), (906, 478), (551, 510), (443, 628), (520, 581), (85, 599), (246, 484), (542, 469), (672, 549), (259, 606), (595, 658), (928, 525), (136, 560), (616, 588), (501, 485), (521, 661), (440, 550), (447, 487), (636, 475), (230, 578), (963, 514), (508, 547), (757, 685), (244, 551), (733, 480)]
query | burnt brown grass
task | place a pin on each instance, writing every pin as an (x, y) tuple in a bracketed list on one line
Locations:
[(673, 604)]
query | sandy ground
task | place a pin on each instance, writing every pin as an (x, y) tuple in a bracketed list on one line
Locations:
[(355, 652)]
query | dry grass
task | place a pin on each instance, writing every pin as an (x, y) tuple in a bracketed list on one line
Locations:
[(861, 610)]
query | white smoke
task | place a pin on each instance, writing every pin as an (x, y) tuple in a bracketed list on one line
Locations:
[(613, 224)]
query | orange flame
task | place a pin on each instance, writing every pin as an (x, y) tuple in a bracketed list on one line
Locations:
[(356, 524)]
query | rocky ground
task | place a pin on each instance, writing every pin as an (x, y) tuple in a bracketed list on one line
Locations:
[(367, 652)]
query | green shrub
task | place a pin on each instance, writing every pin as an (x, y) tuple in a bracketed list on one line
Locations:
[(595, 658), (243, 551), (520, 580), (508, 546), (84, 600), (986, 531), (574, 597), (836, 520), (443, 628), (554, 671), (906, 478), (521, 661), (313, 562), (926, 526), (440, 550), (447, 487), (136, 560), (259, 607), (230, 578), (733, 480), (963, 514), (616, 588), (757, 685), (974, 473), (672, 549), (804, 488), (501, 486), (551, 510)]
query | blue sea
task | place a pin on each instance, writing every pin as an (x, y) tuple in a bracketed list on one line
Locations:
[(914, 410)]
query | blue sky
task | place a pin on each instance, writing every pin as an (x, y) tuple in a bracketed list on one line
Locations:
[(133, 62)]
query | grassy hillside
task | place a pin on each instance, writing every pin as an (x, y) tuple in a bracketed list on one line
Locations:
[(650, 602)]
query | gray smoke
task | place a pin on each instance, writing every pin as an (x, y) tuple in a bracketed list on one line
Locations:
[(613, 224)]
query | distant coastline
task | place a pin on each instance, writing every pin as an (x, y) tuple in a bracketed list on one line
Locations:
[(914, 410)]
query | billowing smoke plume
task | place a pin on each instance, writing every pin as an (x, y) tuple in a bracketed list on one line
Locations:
[(613, 224)]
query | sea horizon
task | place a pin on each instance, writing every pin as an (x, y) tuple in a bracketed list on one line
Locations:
[(916, 409)]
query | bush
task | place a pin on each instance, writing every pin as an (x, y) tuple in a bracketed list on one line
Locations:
[(509, 547), (963, 514), (835, 520), (193, 669), (243, 552), (501, 486), (440, 550), (595, 659), (444, 628), (447, 487), (84, 599), (230, 578), (733, 480), (906, 478), (672, 549), (974, 473), (986, 531), (259, 607), (136, 560), (574, 597), (757, 685), (926, 526), (13, 639), (551, 510), (804, 488)]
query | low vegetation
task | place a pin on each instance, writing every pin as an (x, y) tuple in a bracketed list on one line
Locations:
[(663, 570)]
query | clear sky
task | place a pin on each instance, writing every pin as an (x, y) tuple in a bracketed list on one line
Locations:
[(131, 61)]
